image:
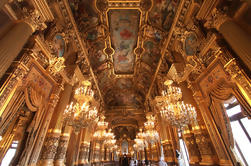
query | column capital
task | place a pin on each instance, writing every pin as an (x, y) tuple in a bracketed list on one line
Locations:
[(216, 19), (34, 20)]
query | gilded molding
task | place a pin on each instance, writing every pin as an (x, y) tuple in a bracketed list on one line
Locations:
[(179, 18), (14, 79), (71, 24)]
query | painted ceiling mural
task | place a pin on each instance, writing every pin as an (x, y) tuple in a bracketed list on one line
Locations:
[(124, 41), (124, 26)]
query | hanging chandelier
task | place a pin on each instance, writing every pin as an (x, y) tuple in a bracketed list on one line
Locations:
[(173, 109), (81, 113), (101, 134), (140, 142), (151, 135), (110, 141)]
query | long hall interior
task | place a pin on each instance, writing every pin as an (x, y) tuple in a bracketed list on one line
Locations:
[(125, 82)]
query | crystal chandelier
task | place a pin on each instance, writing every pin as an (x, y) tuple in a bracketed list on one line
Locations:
[(140, 142), (178, 114), (110, 141), (101, 134), (151, 135), (81, 113), (173, 109)]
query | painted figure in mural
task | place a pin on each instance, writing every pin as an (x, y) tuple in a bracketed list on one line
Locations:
[(191, 44), (163, 13), (84, 13), (59, 45), (152, 53)]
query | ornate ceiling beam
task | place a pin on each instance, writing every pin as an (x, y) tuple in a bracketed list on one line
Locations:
[(83, 48), (166, 42)]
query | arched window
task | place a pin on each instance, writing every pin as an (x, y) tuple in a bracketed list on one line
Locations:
[(10, 153), (124, 147), (241, 129)]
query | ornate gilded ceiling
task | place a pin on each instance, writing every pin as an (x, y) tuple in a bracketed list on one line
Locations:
[(124, 40)]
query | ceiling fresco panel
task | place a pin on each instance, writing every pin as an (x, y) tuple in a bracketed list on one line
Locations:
[(124, 41), (124, 24)]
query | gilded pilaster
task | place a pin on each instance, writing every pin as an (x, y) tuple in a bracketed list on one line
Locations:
[(31, 154)]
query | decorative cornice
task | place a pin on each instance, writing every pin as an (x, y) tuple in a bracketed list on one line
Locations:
[(66, 11), (179, 18)]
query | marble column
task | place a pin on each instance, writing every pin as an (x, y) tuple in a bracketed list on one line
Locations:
[(12, 43), (236, 37)]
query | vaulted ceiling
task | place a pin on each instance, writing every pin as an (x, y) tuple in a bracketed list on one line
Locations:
[(124, 41)]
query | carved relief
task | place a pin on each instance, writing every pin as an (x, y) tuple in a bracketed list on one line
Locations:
[(204, 145), (62, 147), (50, 146)]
